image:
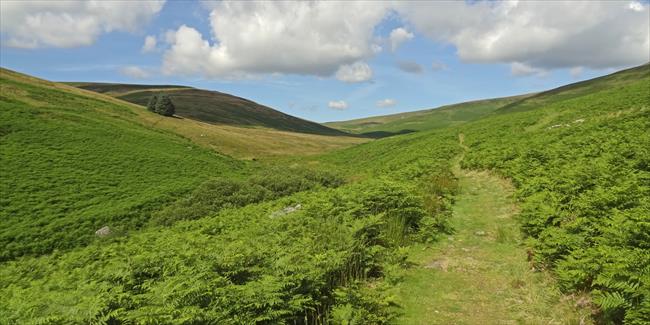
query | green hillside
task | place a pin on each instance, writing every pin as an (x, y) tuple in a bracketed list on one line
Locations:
[(273, 244), (395, 230), (73, 163), (579, 159), (458, 114), (579, 89), (212, 107), (445, 116)]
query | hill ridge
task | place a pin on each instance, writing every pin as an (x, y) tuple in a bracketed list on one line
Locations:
[(212, 106), (460, 113)]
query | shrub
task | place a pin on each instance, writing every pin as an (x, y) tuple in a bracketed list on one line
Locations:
[(151, 106)]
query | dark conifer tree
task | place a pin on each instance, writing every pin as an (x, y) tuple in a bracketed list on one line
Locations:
[(164, 106)]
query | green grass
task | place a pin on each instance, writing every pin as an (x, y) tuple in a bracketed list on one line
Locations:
[(213, 107), (479, 273), (578, 156), (580, 163), (285, 246), (72, 164), (579, 89), (437, 118), (224, 251)]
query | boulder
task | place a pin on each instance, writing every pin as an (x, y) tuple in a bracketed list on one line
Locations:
[(285, 211), (103, 231)]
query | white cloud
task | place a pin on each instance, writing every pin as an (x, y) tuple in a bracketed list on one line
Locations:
[(540, 34), (386, 103), (356, 72), (399, 36), (135, 72), (519, 69), (337, 104), (636, 6), (149, 44), (410, 66), (34, 24), (315, 38)]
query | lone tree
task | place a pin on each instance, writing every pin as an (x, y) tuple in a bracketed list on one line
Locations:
[(151, 106), (162, 105)]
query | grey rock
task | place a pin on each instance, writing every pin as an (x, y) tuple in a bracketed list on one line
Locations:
[(285, 211), (103, 231)]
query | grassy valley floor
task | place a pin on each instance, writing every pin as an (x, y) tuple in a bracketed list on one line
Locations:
[(480, 273)]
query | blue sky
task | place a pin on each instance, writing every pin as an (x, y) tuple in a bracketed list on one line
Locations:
[(443, 60)]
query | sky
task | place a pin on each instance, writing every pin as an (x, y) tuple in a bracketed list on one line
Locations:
[(329, 61)]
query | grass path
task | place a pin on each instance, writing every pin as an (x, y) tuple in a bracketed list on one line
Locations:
[(480, 274)]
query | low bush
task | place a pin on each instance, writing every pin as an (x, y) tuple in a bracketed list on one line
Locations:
[(240, 265), (269, 184), (584, 188)]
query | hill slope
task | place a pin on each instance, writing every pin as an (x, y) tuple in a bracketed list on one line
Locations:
[(579, 157), (578, 89), (445, 116), (212, 107), (580, 162), (74, 161), (580, 167), (232, 139), (457, 114)]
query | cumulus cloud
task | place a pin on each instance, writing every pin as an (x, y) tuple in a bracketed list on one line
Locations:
[(34, 24), (135, 72), (636, 6), (337, 104), (519, 69), (410, 66), (539, 34), (399, 36), (149, 44), (314, 38), (356, 72), (386, 103), (319, 38)]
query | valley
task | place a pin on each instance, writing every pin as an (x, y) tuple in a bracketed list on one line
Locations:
[(222, 216)]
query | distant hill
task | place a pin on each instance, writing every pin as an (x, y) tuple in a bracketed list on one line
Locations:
[(579, 156), (74, 160), (457, 114), (80, 160), (578, 89), (450, 115), (212, 107)]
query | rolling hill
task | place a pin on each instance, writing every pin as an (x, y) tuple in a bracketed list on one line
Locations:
[(445, 116), (361, 236), (80, 159), (73, 161), (579, 157), (458, 114), (578, 89), (213, 107), (245, 139)]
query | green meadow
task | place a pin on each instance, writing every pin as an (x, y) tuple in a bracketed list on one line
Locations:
[(531, 209)]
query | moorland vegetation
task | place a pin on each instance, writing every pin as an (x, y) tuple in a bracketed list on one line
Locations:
[(204, 238)]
